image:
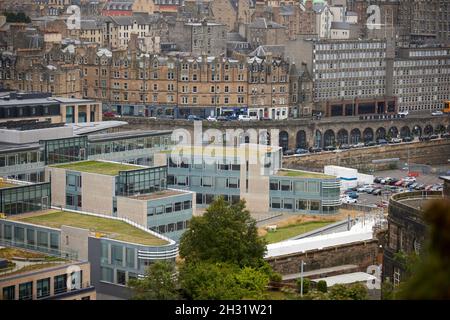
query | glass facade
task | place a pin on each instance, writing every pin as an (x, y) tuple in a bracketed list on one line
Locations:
[(141, 181), (64, 150), (43, 288), (25, 198)]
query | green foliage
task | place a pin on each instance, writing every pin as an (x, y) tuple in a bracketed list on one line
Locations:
[(387, 290), (316, 295), (222, 281), (17, 17), (356, 291), (159, 283), (276, 277), (306, 285), (430, 277), (322, 286), (225, 233)]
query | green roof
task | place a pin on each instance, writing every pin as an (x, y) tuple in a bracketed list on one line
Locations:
[(303, 174), (100, 167), (4, 184), (109, 228)]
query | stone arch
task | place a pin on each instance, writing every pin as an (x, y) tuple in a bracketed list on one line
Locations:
[(329, 138), (368, 135), (428, 129), (393, 132), (284, 140), (355, 136), (405, 132), (318, 138), (380, 133), (440, 128), (301, 139), (417, 131), (342, 137)]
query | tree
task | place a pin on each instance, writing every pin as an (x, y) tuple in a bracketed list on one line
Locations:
[(430, 277), (322, 286), (306, 285), (159, 283), (221, 281), (225, 233)]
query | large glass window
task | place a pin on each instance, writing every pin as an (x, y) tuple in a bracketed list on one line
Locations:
[(9, 293), (30, 237), (116, 255), (130, 257), (105, 253), (42, 239), (107, 274), (43, 288), (121, 277), (302, 204), (19, 235), (60, 283), (315, 205), (54, 241), (26, 291)]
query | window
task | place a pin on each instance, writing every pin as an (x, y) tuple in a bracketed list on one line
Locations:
[(178, 206), (107, 274), (274, 185), (207, 181), (121, 278), (116, 255), (9, 293), (26, 291), (301, 204), (42, 239), (275, 203), (285, 185), (130, 252), (60, 283), (233, 183), (187, 205), (43, 288), (105, 253), (315, 206)]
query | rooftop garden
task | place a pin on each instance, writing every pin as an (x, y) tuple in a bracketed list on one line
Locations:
[(100, 167), (109, 228), (4, 184), (303, 174)]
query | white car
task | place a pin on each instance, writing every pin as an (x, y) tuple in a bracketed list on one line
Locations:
[(403, 113), (348, 200), (364, 188), (437, 113), (244, 117), (212, 119)]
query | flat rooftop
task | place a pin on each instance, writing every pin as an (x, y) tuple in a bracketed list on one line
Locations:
[(127, 135), (158, 194), (5, 184), (303, 174), (107, 227), (20, 261), (100, 167), (42, 101)]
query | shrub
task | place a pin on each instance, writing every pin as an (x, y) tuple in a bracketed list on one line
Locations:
[(306, 285), (322, 286)]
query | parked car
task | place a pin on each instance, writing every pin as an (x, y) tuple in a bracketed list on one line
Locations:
[(424, 138), (166, 117), (359, 145), (288, 152), (370, 190), (396, 140), (407, 139), (403, 113), (428, 187), (377, 179), (329, 148), (301, 151), (353, 195), (193, 117), (445, 135), (364, 188), (376, 192), (233, 117), (434, 137), (212, 119), (420, 186), (382, 141), (244, 117), (437, 113), (315, 149), (344, 147), (370, 144), (348, 200), (265, 119), (222, 118), (398, 183)]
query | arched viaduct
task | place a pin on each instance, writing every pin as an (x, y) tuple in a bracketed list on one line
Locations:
[(304, 133)]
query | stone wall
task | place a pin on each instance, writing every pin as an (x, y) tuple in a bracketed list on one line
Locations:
[(430, 152), (362, 254)]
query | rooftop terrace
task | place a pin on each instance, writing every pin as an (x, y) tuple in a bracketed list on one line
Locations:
[(303, 174), (100, 167), (108, 228), (22, 261)]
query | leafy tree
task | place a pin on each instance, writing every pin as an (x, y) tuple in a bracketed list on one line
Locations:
[(225, 233), (221, 281), (306, 285), (17, 17), (159, 283), (430, 277), (322, 286)]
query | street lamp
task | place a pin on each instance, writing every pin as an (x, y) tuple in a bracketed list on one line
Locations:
[(301, 278)]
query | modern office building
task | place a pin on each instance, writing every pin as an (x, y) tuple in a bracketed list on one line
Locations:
[(117, 249), (134, 192), (39, 276), (44, 107), (422, 78), (18, 197), (27, 146), (251, 172)]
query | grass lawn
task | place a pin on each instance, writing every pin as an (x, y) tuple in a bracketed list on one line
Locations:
[(293, 230), (303, 174), (31, 267), (110, 228), (9, 253), (279, 295), (100, 167)]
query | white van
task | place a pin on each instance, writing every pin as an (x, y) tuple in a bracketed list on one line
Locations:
[(243, 117)]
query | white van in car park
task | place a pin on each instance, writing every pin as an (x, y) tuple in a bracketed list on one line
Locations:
[(244, 117)]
